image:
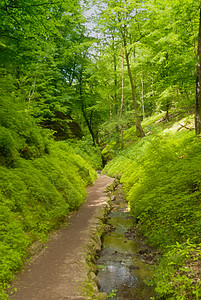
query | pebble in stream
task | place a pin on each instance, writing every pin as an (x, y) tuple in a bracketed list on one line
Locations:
[(121, 273)]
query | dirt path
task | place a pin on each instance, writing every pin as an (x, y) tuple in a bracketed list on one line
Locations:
[(58, 271)]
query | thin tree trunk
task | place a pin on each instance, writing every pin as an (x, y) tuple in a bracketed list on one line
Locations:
[(110, 108), (115, 78), (88, 122), (122, 94), (152, 86), (115, 83), (89, 126), (198, 85), (143, 112), (139, 129), (167, 112)]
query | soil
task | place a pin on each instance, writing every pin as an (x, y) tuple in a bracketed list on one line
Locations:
[(59, 270)]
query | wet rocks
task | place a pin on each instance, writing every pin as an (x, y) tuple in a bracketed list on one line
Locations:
[(132, 267), (149, 255), (122, 271)]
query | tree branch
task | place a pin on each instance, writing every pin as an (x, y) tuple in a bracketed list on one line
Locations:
[(184, 126)]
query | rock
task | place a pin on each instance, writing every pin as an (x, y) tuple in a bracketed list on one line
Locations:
[(144, 251), (94, 278), (112, 198), (132, 267), (103, 296)]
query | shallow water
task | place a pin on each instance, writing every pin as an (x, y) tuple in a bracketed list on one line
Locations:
[(121, 271)]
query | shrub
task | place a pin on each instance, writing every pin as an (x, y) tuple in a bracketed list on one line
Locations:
[(162, 180), (36, 196), (19, 133), (88, 152), (178, 276)]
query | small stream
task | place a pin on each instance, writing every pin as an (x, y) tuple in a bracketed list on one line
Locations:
[(122, 273)]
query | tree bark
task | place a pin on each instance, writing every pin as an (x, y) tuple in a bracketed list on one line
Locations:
[(198, 85), (167, 112), (139, 129), (115, 76), (143, 111), (88, 122), (122, 93), (89, 127)]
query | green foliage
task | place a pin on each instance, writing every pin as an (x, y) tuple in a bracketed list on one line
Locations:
[(112, 294), (43, 49), (157, 172), (161, 38), (13, 241), (167, 173), (162, 181), (43, 46), (50, 76), (178, 276), (19, 134), (88, 152), (36, 196)]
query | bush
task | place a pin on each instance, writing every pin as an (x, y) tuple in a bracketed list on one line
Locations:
[(88, 152), (36, 196), (162, 180), (178, 276), (19, 133)]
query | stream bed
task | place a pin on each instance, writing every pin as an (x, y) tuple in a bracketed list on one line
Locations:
[(123, 274)]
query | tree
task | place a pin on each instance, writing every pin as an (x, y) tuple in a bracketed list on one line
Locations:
[(117, 18), (40, 43), (166, 55), (139, 129), (198, 85)]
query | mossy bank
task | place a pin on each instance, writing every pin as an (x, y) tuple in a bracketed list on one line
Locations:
[(161, 178), (36, 196)]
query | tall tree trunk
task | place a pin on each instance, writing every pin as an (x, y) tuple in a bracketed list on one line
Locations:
[(198, 85), (88, 121), (122, 94), (139, 129), (152, 86), (143, 112), (167, 112), (110, 108), (89, 127), (115, 76)]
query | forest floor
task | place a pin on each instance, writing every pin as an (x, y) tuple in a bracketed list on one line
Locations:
[(58, 271)]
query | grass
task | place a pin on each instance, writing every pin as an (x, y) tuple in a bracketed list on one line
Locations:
[(35, 197), (162, 181)]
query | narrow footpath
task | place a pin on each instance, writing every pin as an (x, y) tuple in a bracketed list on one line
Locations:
[(59, 270)]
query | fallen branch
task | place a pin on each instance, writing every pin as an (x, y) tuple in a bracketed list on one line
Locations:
[(184, 126)]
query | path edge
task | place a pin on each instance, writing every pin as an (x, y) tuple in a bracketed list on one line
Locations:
[(90, 286)]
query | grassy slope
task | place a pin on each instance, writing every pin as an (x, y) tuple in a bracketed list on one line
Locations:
[(36, 196), (162, 180)]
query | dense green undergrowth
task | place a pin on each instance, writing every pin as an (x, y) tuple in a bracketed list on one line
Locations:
[(36, 196), (41, 182), (162, 180)]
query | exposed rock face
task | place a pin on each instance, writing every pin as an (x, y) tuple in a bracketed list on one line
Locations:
[(63, 125)]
